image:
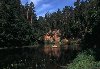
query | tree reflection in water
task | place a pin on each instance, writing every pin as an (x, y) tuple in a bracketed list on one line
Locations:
[(46, 57), (52, 51)]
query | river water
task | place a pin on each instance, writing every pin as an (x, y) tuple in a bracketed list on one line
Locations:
[(35, 58)]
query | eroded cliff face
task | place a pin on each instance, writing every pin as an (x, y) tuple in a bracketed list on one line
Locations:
[(54, 36)]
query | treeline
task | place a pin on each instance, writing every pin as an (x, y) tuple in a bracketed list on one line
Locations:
[(15, 27), (19, 24)]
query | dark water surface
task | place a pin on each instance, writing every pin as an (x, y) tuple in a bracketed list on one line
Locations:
[(33, 58)]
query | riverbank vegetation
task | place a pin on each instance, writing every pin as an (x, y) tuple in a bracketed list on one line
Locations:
[(80, 25), (84, 60)]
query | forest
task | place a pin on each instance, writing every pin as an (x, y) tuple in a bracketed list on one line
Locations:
[(20, 27)]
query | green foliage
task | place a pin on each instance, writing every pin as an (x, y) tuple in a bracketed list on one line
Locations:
[(14, 29), (84, 61), (74, 44), (18, 24)]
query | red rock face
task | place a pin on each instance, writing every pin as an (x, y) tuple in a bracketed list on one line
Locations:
[(47, 37), (53, 36)]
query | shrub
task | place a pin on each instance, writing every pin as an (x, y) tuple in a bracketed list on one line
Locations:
[(84, 61)]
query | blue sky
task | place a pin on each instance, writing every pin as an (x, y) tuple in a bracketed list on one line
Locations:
[(44, 6)]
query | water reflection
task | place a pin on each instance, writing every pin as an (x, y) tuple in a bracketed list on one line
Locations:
[(47, 57), (52, 50)]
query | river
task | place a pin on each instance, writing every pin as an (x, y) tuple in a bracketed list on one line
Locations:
[(35, 58)]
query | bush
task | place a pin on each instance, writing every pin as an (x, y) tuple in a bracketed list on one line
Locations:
[(84, 61)]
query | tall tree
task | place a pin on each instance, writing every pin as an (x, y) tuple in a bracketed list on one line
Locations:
[(15, 31)]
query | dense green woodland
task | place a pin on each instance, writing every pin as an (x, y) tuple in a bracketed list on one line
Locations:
[(19, 25)]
